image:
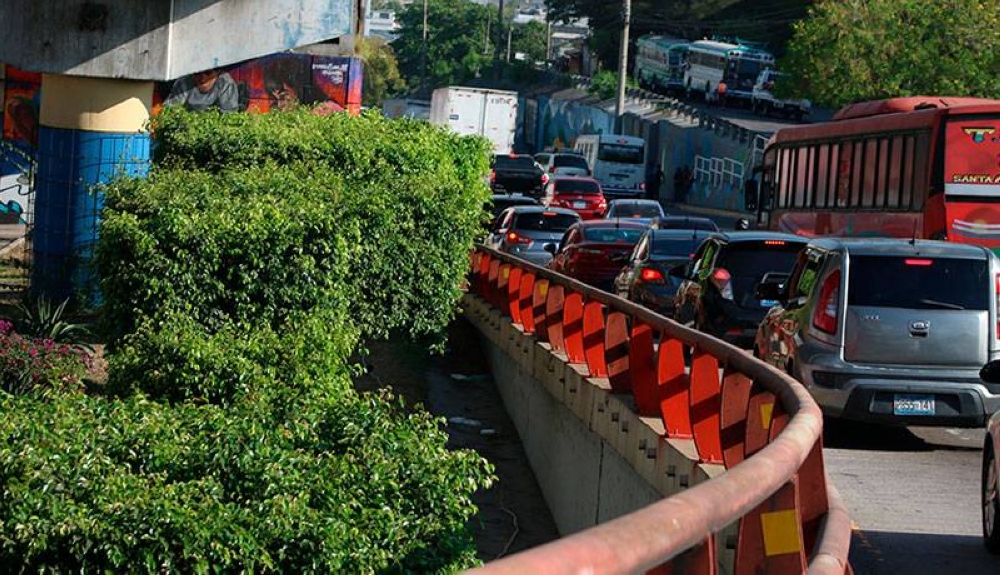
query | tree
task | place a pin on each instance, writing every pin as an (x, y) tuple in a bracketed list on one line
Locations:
[(460, 40), (856, 50), (381, 78), (529, 39)]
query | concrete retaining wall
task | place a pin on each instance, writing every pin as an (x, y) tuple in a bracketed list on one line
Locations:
[(594, 457)]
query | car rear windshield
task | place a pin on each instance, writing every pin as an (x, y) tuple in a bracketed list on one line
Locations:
[(620, 154), (570, 161), (687, 224), (636, 211), (683, 247), (544, 222), (515, 162), (613, 235), (918, 283), (748, 262), (577, 187)]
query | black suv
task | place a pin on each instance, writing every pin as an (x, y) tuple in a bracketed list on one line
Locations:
[(738, 262)]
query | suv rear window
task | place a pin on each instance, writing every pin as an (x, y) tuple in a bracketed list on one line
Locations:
[(636, 211), (918, 283), (516, 162), (544, 222), (674, 246), (613, 235), (577, 187), (748, 262), (570, 161), (669, 223)]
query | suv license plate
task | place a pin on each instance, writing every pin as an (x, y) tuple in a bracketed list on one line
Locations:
[(579, 205), (912, 404)]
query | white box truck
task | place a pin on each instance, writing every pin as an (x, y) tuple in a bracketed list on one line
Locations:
[(477, 111)]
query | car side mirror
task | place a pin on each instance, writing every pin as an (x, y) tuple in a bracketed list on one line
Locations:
[(990, 373), (750, 195), (551, 248)]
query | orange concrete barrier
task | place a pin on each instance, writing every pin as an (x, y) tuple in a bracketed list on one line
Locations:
[(740, 412)]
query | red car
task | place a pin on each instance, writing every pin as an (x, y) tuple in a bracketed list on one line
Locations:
[(582, 195), (595, 251)]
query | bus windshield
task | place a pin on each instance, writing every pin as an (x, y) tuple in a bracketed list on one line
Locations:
[(620, 154)]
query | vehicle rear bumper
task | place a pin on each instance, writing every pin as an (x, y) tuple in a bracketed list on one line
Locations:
[(864, 393)]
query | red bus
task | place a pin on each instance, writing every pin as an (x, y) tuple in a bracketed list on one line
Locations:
[(924, 167)]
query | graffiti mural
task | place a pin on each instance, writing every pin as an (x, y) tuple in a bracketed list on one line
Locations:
[(277, 82), (561, 121), (19, 94)]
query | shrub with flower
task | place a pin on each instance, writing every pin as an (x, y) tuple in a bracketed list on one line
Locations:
[(31, 365)]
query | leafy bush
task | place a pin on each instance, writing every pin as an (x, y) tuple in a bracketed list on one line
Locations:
[(38, 366), (95, 485)]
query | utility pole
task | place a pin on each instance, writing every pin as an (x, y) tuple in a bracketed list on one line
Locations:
[(499, 48), (423, 53), (548, 40), (623, 63), (510, 34)]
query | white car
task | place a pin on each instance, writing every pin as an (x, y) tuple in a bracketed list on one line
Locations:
[(567, 164)]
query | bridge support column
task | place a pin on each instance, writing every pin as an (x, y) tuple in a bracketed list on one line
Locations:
[(91, 130)]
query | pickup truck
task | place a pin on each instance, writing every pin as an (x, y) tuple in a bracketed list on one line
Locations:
[(764, 101), (511, 173)]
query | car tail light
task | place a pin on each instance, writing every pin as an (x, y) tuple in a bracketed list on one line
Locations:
[(650, 275), (774, 242), (545, 179), (642, 185), (918, 262), (825, 317), (514, 238)]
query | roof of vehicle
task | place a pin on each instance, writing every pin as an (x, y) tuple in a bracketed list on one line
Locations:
[(538, 209), (566, 153), (621, 201), (512, 199), (614, 223), (680, 234), (760, 236), (907, 104), (901, 247)]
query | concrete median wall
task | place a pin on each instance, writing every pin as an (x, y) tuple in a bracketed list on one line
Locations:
[(594, 457)]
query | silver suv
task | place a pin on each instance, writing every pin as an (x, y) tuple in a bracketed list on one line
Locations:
[(891, 331)]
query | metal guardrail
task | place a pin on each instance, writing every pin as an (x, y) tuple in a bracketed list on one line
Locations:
[(756, 421)]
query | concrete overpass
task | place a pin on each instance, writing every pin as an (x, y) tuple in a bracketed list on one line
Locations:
[(99, 60)]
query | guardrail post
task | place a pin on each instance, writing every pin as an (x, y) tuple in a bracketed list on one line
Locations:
[(673, 384), (705, 406), (616, 346), (593, 338), (770, 537), (572, 326), (643, 369)]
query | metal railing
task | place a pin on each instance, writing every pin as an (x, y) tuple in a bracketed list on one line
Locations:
[(740, 412)]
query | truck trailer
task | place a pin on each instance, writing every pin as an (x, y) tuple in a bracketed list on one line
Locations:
[(477, 111)]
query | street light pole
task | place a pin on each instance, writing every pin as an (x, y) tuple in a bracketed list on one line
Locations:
[(500, 41), (423, 53), (623, 62)]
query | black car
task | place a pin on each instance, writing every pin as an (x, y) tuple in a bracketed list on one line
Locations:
[(646, 278), (718, 291), (501, 202), (514, 173)]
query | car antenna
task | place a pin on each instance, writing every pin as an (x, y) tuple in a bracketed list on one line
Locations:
[(913, 239)]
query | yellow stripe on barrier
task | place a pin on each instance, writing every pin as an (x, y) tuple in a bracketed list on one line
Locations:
[(765, 415), (506, 273), (781, 532), (543, 287)]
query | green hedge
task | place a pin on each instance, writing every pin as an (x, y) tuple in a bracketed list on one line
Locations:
[(239, 279), (92, 485)]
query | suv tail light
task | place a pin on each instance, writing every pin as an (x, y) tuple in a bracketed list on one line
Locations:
[(514, 238), (651, 275), (825, 316)]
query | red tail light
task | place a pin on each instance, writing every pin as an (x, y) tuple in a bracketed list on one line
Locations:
[(918, 262), (650, 275), (825, 317), (774, 242), (514, 238), (642, 185)]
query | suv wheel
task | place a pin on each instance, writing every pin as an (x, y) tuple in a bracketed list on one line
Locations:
[(991, 502)]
